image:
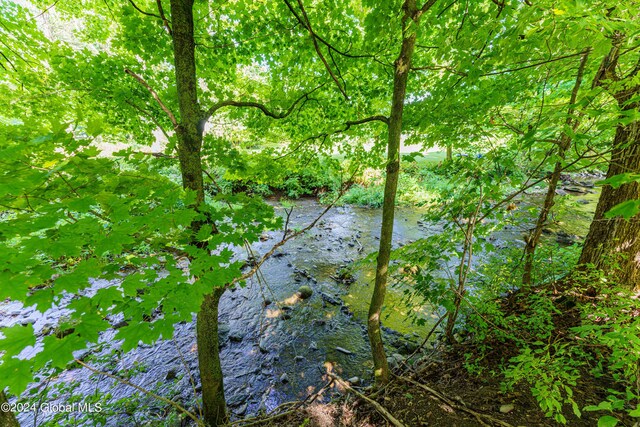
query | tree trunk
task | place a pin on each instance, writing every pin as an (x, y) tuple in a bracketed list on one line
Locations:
[(563, 145), (613, 244), (617, 236), (7, 418), (189, 132), (213, 402), (402, 67), (449, 153)]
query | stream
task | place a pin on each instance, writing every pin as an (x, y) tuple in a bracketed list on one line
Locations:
[(275, 346)]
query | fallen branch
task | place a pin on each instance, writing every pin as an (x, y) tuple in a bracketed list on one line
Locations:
[(372, 402), (460, 405)]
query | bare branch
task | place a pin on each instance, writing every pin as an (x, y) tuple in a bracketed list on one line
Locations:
[(268, 255), (347, 126), (607, 70), (155, 96), (46, 10), (497, 72), (8, 62), (143, 390), (440, 67)]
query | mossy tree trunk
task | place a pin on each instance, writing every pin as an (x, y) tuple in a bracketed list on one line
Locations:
[(213, 401), (610, 237), (613, 244), (7, 418), (189, 132)]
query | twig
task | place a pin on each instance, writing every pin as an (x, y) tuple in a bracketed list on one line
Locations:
[(191, 380), (145, 391), (165, 21), (433, 329), (372, 402)]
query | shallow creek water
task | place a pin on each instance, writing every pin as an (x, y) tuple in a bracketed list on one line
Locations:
[(274, 346)]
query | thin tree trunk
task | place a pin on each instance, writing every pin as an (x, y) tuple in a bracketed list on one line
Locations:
[(189, 132), (7, 418), (402, 67), (449, 153), (617, 236), (565, 141), (214, 406)]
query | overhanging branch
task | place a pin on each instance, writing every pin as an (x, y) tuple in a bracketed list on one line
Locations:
[(250, 104)]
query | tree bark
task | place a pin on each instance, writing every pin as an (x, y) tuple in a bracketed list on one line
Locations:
[(613, 244), (617, 236), (189, 132), (402, 66), (214, 406), (7, 418), (563, 145)]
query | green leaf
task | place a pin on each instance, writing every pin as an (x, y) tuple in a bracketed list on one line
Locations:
[(16, 339), (16, 374), (627, 209), (607, 421), (620, 179), (58, 351)]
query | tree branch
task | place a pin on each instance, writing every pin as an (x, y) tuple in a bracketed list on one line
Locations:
[(143, 390), (607, 70), (149, 116), (231, 103), (165, 21), (155, 96), (498, 72), (314, 38), (312, 224), (135, 6), (347, 126), (428, 5)]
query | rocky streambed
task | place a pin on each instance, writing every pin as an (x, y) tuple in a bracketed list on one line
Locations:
[(277, 340)]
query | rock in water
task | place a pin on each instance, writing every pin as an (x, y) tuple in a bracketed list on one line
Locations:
[(284, 378), (305, 292)]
